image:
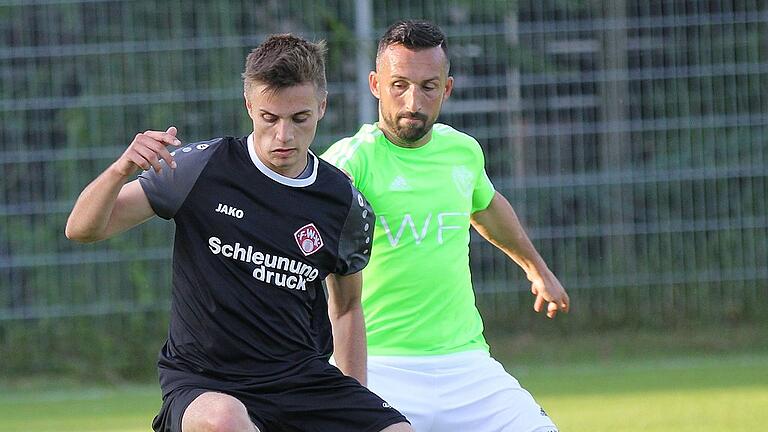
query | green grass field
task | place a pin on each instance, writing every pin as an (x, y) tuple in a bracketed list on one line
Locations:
[(717, 394), (586, 389)]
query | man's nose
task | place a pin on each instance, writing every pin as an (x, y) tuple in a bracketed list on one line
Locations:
[(412, 100), (284, 131)]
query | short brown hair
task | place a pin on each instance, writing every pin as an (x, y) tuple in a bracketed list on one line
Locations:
[(284, 60)]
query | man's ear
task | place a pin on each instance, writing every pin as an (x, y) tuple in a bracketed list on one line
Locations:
[(448, 87), (248, 104), (322, 107), (373, 84)]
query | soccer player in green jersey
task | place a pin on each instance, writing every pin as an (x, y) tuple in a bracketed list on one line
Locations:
[(427, 185)]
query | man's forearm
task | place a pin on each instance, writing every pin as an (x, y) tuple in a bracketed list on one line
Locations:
[(500, 225), (349, 344), (90, 215)]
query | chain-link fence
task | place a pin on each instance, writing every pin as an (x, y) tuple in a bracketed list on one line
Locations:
[(630, 136)]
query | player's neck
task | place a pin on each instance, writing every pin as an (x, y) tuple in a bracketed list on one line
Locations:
[(307, 171), (294, 172)]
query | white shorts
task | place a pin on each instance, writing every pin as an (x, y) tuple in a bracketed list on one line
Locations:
[(467, 391)]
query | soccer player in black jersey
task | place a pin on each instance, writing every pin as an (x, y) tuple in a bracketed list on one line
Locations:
[(260, 222)]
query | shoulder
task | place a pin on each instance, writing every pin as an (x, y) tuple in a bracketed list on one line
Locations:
[(354, 147), (328, 170), (168, 189), (333, 177), (190, 157), (457, 144), (212, 143), (200, 151), (367, 135), (454, 137)]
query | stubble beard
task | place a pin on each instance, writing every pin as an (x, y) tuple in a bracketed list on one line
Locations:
[(410, 133)]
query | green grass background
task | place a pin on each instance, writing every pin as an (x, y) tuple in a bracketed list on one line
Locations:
[(704, 380)]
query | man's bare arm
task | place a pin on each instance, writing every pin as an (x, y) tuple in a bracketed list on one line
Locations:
[(108, 205), (499, 225), (346, 313)]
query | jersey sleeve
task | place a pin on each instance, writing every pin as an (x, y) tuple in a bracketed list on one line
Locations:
[(356, 236), (167, 190), (345, 156), (484, 190)]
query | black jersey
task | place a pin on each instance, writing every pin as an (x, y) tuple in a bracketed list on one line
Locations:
[(250, 253)]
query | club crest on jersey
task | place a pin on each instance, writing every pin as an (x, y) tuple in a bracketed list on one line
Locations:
[(308, 238), (464, 180)]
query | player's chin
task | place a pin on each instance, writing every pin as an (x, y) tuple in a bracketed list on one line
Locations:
[(411, 133), (285, 159), (288, 162)]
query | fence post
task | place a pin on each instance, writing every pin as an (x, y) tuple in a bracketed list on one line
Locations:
[(366, 110)]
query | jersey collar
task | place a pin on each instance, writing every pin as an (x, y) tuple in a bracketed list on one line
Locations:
[(287, 181)]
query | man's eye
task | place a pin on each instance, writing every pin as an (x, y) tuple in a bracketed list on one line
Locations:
[(269, 118), (399, 85), (300, 119)]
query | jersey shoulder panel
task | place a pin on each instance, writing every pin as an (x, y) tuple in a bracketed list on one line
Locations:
[(457, 137), (356, 235), (352, 154), (168, 189)]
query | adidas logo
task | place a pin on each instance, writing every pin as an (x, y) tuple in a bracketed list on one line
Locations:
[(399, 184)]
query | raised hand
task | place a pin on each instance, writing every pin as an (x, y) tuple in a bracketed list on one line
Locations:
[(146, 150)]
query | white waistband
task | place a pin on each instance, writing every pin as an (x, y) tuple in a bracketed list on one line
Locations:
[(435, 361)]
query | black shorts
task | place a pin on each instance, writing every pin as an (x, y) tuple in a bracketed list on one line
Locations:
[(318, 399)]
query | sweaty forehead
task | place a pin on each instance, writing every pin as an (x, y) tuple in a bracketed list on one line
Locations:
[(399, 60)]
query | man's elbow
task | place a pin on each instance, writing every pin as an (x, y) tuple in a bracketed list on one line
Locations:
[(346, 310), (80, 234)]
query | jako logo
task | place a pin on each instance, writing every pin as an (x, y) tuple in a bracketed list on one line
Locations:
[(230, 211), (308, 238)]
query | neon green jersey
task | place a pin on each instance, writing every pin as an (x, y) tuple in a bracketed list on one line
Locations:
[(417, 287)]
